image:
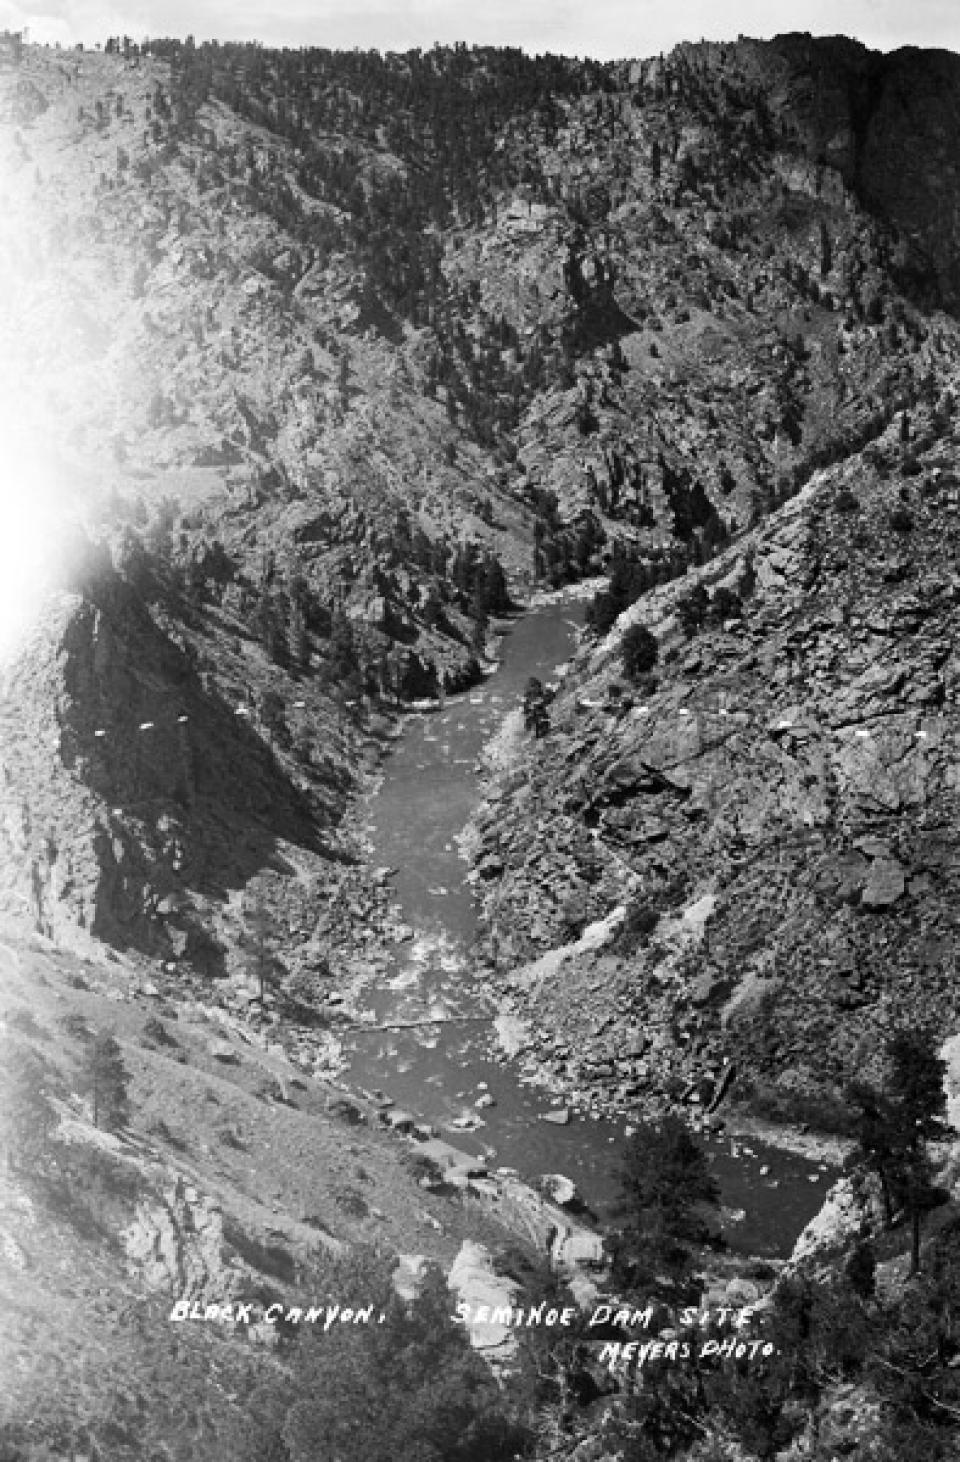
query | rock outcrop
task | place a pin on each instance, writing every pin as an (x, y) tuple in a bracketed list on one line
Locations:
[(766, 838), (883, 125), (475, 1283)]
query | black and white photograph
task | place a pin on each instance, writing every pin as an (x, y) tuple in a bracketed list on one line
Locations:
[(479, 756)]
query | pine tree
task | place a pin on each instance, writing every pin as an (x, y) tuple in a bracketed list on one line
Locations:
[(534, 705), (639, 650), (919, 1104), (298, 649), (108, 1080), (692, 610), (259, 939), (875, 1138), (409, 1386), (343, 651), (30, 1118), (897, 1122), (666, 1185), (496, 592)]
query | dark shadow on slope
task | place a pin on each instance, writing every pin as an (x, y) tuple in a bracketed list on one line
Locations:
[(599, 321), (196, 798)]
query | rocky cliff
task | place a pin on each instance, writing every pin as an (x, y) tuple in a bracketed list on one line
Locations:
[(886, 125), (658, 299), (771, 810), (142, 793), (307, 363)]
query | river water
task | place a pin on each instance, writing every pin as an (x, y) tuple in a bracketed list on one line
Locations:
[(429, 789)]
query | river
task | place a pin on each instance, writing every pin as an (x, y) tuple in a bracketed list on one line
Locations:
[(429, 789)]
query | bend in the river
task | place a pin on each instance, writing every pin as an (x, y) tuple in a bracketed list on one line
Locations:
[(447, 1072)]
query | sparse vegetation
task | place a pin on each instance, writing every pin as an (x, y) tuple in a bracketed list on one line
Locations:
[(409, 1385), (31, 1119), (353, 351), (639, 922)]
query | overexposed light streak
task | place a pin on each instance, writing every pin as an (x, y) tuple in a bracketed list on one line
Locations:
[(34, 524)]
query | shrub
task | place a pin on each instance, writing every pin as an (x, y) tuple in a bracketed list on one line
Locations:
[(409, 1386), (155, 1031), (901, 521), (352, 1203), (107, 1080), (574, 913), (821, 1111), (26, 1022), (587, 420), (346, 1111), (424, 1169), (640, 651), (692, 610), (845, 501), (513, 1262), (726, 604), (76, 1026), (315, 1221), (860, 1270), (639, 923), (29, 1118), (666, 1185), (270, 1259), (305, 990), (160, 1130)]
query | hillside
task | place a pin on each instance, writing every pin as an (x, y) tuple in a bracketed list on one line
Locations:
[(314, 368), (237, 1178), (770, 808), (312, 412)]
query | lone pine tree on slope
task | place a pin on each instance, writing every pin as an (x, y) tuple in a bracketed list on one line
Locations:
[(897, 1122), (108, 1080), (260, 937), (30, 1118)]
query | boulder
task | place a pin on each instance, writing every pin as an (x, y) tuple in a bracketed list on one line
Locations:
[(474, 1281), (560, 1116), (397, 1119), (558, 1188), (223, 1051), (886, 883), (466, 1122), (462, 1173), (851, 1205), (408, 1276)]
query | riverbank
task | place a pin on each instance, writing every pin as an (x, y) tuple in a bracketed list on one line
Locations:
[(563, 1023), (816, 1147), (424, 1018), (542, 1058), (578, 1044)]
